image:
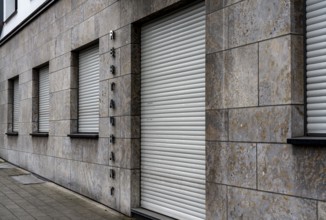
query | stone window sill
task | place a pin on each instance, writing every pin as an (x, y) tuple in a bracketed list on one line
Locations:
[(12, 133), (307, 141), (39, 134), (84, 135)]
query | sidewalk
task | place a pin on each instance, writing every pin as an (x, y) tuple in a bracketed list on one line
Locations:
[(27, 197)]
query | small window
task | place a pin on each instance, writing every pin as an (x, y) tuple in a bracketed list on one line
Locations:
[(10, 7), (44, 100), (15, 105), (88, 90), (316, 68)]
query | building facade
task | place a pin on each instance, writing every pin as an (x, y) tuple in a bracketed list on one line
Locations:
[(189, 109)]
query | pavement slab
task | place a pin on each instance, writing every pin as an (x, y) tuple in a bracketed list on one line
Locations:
[(24, 196)]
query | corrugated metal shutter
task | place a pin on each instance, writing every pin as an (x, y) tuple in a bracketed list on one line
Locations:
[(316, 66), (173, 114), (89, 90), (16, 105), (44, 99)]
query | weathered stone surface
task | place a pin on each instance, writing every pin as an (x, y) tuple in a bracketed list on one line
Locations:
[(216, 201), (297, 68), (62, 172), (279, 82), (248, 204), (96, 151), (265, 124), (126, 153), (93, 7), (217, 31), (297, 16), (217, 125), (291, 170), (63, 105), (321, 211), (129, 127), (63, 43), (108, 19), (133, 10), (225, 77), (93, 181), (104, 101), (60, 128), (231, 163), (84, 33), (106, 60), (41, 146), (130, 59), (255, 20), (67, 148), (129, 190)]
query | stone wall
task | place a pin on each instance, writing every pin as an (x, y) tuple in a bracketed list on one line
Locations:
[(254, 102)]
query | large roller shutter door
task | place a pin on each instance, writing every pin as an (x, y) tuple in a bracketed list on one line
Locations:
[(89, 90), (173, 114), (316, 66), (44, 99), (16, 105)]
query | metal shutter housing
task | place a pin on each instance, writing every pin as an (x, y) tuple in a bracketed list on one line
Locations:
[(89, 90), (16, 105), (316, 66), (44, 100), (173, 114)]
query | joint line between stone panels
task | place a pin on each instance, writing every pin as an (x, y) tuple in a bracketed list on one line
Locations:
[(248, 107), (227, 202), (248, 142), (264, 191)]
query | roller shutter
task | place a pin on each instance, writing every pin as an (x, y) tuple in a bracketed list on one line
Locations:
[(89, 90), (44, 99), (173, 114), (16, 105), (316, 66)]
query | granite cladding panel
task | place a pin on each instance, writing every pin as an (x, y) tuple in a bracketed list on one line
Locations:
[(265, 124), (321, 210), (249, 204), (231, 164), (292, 170), (255, 20), (216, 201), (225, 76)]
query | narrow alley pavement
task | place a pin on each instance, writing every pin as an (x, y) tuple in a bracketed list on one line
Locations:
[(24, 196)]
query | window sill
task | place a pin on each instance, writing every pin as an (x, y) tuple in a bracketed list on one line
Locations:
[(84, 135), (39, 134), (12, 133), (307, 141)]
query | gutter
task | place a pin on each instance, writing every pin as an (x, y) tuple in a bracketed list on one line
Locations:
[(26, 21)]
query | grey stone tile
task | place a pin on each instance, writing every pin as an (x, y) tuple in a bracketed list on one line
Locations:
[(231, 163), (93, 7), (106, 60), (248, 204), (217, 125), (255, 20), (130, 59), (109, 18), (291, 170), (126, 153), (225, 75), (129, 190), (95, 151), (129, 127), (265, 124), (279, 82), (216, 201), (62, 172), (321, 211), (84, 33), (217, 30)]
